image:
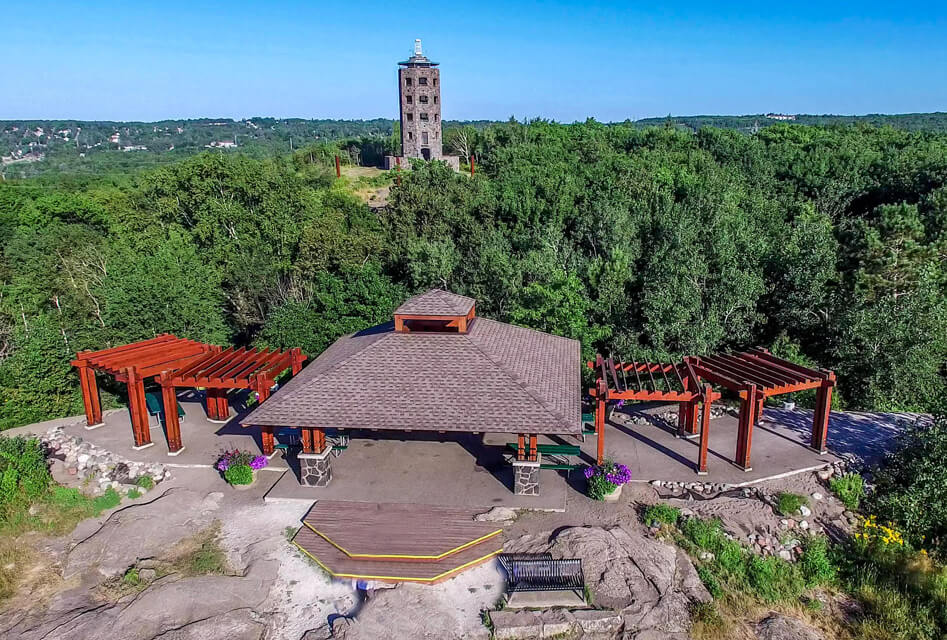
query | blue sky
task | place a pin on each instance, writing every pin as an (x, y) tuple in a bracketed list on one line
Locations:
[(138, 60)]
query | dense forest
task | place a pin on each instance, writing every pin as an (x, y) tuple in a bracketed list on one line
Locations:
[(828, 244)]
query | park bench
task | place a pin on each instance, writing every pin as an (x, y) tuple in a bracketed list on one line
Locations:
[(539, 572), (156, 407), (558, 455)]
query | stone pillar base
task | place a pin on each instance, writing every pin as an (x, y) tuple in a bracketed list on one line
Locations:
[(526, 477), (315, 469)]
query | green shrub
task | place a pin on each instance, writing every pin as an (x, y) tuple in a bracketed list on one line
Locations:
[(145, 482), (849, 488), (108, 500), (24, 475), (662, 514), (816, 564), (789, 503), (239, 474), (911, 486), (134, 494), (130, 577), (772, 579), (710, 581)]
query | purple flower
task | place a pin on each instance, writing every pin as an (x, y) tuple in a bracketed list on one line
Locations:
[(589, 472), (223, 464), (258, 463)]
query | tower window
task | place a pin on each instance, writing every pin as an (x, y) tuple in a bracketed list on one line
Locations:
[(435, 99), (410, 100), (435, 82), (424, 117), (407, 82), (422, 99), (436, 117), (410, 116), (422, 82), (424, 137), (410, 135)]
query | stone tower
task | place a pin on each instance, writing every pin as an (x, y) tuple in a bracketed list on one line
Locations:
[(420, 97)]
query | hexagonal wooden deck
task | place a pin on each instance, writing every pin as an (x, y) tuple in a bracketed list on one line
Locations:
[(395, 542)]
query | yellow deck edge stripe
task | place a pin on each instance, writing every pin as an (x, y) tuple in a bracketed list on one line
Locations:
[(435, 578), (409, 557)]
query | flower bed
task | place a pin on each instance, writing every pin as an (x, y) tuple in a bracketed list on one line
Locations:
[(604, 479), (238, 466)]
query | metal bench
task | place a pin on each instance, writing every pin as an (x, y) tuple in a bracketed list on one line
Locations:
[(540, 572)]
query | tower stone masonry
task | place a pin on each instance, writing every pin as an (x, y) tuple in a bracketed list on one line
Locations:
[(419, 98)]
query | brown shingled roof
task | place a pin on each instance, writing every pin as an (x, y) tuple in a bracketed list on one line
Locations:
[(495, 378), (436, 302)]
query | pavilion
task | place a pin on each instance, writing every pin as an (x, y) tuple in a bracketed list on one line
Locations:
[(437, 367)]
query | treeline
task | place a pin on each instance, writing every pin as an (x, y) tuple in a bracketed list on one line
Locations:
[(827, 244), (936, 121)]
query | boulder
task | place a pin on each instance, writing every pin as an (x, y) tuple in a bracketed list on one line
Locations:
[(779, 627), (496, 514), (653, 584)]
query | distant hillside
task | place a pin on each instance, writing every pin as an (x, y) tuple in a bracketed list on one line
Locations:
[(34, 147), (748, 124)]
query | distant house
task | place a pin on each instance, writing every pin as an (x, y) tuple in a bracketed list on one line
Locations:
[(222, 144), (135, 147), (114, 138), (780, 116)]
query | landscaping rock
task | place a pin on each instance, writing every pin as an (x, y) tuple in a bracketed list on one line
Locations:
[(779, 627), (496, 514), (817, 496), (516, 625), (147, 575), (805, 511)]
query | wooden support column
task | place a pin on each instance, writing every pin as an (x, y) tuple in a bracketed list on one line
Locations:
[(748, 406), (687, 417), (521, 446), (210, 402), (600, 421), (138, 409), (90, 396), (307, 442), (297, 360), (820, 418), (268, 440), (223, 407), (172, 424), (318, 440), (759, 409), (533, 447), (704, 430)]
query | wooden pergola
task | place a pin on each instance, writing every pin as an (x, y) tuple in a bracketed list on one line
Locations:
[(178, 362), (753, 375), (219, 371), (133, 364), (654, 381)]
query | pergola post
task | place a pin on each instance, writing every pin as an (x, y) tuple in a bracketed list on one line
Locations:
[(748, 406), (687, 418), (210, 403), (704, 430), (223, 407), (138, 409), (172, 423), (90, 396), (820, 418), (297, 359), (600, 421)]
